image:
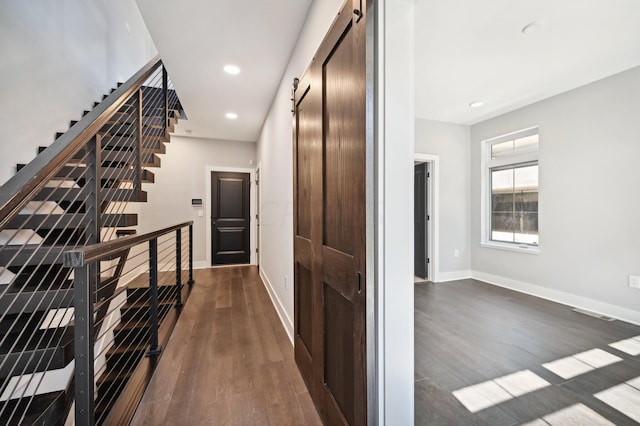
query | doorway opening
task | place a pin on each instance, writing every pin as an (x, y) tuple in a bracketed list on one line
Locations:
[(230, 209), (421, 221), (426, 235), (257, 250)]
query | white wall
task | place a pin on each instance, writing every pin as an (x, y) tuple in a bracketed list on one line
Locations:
[(451, 143), (589, 207), (183, 176), (275, 155), (58, 57), (396, 110)]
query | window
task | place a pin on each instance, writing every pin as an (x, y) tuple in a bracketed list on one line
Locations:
[(510, 176)]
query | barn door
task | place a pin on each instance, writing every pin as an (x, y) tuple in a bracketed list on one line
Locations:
[(329, 187)]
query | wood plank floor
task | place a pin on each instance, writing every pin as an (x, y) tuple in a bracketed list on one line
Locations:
[(229, 360), (472, 337)]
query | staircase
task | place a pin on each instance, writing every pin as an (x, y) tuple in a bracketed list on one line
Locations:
[(75, 193)]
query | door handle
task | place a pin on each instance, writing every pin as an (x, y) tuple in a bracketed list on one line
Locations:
[(214, 220), (359, 276)]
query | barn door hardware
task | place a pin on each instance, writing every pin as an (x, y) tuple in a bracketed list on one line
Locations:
[(293, 95), (358, 12)]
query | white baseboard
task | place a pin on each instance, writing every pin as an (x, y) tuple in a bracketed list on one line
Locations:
[(453, 276), (201, 264), (282, 313), (562, 297)]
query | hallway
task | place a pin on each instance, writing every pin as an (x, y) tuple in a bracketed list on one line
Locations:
[(229, 360)]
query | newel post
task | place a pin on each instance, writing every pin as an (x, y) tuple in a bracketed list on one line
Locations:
[(178, 268), (191, 281), (154, 349), (83, 333)]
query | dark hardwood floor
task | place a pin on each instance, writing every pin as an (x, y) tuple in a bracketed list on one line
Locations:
[(471, 337), (229, 360)]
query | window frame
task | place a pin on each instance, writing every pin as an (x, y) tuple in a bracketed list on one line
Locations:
[(487, 165)]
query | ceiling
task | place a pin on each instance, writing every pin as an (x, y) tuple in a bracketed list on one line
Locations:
[(466, 51), (197, 38), (469, 50)]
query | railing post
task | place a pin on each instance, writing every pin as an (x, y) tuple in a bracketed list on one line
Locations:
[(154, 349), (138, 142), (178, 268), (190, 282), (83, 344), (93, 187), (165, 99)]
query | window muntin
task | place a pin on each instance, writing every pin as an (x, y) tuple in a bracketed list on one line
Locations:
[(511, 190), (514, 147)]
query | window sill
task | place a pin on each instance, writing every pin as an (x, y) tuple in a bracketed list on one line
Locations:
[(519, 248)]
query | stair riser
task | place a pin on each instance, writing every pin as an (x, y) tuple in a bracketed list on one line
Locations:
[(142, 313), (130, 129), (69, 221), (131, 336), (74, 194), (34, 361), (125, 361), (70, 172), (29, 302), (129, 118)]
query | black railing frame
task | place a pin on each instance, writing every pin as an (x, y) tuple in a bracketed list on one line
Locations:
[(26, 183), (83, 261)]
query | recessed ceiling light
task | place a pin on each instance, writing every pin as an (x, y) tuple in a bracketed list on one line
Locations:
[(476, 104), (532, 27), (231, 69), (231, 115)]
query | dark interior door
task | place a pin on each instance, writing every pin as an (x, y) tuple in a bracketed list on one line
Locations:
[(329, 223), (421, 244), (230, 222)]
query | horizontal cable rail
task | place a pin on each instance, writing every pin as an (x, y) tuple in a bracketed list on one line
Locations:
[(115, 335), (75, 194), (32, 177)]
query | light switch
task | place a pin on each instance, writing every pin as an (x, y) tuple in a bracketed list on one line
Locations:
[(200, 213)]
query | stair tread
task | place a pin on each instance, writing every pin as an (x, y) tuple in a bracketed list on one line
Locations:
[(145, 304), (51, 406)]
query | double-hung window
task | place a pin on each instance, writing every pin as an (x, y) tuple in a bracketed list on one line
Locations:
[(510, 171)]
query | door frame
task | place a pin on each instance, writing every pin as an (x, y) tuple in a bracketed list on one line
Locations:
[(257, 212), (252, 208), (433, 203)]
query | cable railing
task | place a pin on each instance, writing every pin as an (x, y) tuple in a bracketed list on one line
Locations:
[(75, 193), (118, 337)]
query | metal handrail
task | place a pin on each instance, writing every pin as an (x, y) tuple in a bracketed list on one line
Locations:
[(108, 250), (85, 260), (21, 188)]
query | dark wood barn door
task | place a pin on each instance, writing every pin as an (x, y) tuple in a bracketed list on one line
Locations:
[(230, 221), (329, 221)]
